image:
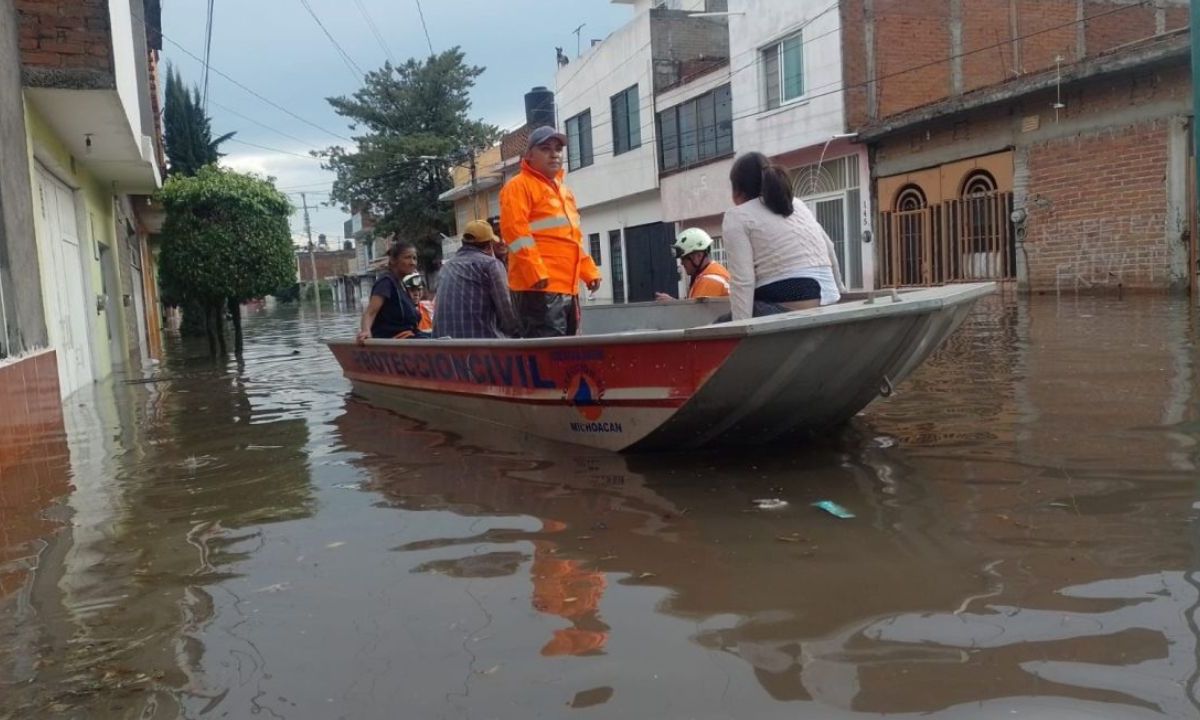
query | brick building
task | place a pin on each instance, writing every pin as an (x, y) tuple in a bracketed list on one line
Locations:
[(1045, 141), (330, 264)]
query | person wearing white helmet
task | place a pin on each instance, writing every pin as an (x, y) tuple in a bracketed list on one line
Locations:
[(415, 285), (693, 248)]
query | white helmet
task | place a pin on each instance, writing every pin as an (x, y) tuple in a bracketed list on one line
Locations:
[(692, 240)]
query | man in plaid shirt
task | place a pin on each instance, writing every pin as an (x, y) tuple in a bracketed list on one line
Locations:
[(473, 299)]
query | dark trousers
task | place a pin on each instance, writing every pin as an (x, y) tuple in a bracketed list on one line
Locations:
[(761, 309), (543, 314)]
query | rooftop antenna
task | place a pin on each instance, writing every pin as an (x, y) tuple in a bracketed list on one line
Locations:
[(577, 31)]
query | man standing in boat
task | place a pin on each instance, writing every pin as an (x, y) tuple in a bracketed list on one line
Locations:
[(539, 223)]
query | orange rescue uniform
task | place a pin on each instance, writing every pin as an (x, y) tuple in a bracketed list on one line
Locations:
[(540, 225), (713, 281), (426, 323)]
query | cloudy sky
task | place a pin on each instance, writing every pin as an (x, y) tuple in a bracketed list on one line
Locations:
[(277, 49)]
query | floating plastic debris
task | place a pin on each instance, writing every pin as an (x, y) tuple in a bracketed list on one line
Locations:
[(834, 509), (770, 504)]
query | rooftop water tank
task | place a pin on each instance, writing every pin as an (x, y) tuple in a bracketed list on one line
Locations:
[(539, 106)]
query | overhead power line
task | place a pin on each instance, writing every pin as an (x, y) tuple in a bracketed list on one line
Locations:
[(208, 33), (838, 86), (274, 150), (241, 85), (355, 70), (753, 52), (387, 52), (604, 149), (261, 124), (425, 27)]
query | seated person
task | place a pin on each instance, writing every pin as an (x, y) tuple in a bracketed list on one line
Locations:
[(391, 313), (423, 298), (780, 258), (708, 277), (499, 249), (473, 297)]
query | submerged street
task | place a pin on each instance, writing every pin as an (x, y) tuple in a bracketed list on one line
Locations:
[(253, 541)]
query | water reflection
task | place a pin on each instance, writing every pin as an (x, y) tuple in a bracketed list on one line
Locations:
[(34, 461), (173, 477), (786, 592), (255, 540)]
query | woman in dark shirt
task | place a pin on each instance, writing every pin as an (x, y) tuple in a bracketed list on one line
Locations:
[(391, 312)]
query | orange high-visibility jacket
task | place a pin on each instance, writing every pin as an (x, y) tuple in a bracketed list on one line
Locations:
[(540, 225), (713, 281), (426, 308)]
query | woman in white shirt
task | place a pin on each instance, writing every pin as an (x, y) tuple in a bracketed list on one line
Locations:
[(779, 256)]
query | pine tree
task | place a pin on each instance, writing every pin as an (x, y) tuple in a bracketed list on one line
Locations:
[(187, 130)]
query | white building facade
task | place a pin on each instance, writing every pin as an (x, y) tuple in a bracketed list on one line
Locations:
[(606, 106), (656, 113), (785, 80)]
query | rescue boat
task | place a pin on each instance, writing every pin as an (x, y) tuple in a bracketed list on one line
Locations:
[(651, 376)]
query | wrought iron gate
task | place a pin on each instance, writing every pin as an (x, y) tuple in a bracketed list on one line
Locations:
[(960, 240)]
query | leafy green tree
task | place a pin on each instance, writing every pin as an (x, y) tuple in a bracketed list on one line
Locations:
[(225, 241), (415, 125), (187, 137), (187, 131)]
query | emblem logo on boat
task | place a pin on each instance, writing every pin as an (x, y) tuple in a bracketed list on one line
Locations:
[(584, 393)]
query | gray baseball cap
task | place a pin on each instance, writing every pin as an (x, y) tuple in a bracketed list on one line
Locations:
[(541, 135)]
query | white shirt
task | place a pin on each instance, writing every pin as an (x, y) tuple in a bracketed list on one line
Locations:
[(762, 247)]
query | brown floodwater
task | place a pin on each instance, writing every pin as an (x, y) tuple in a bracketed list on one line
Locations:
[(251, 541)]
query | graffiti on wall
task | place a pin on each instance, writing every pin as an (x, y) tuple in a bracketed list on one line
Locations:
[(1100, 252)]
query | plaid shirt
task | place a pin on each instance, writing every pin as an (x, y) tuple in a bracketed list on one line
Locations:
[(473, 299)]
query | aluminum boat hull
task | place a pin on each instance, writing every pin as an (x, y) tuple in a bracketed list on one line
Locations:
[(682, 384)]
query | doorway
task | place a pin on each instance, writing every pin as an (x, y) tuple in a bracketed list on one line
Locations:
[(831, 213), (134, 244), (67, 310), (650, 261), (111, 302), (831, 190), (1193, 229)]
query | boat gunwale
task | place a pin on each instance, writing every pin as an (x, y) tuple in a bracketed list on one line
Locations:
[(917, 301)]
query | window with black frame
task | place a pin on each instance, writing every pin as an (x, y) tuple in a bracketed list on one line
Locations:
[(626, 121), (618, 265), (579, 140), (696, 131)]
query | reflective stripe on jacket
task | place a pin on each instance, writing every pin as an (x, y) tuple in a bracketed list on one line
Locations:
[(713, 281), (426, 308), (540, 225)]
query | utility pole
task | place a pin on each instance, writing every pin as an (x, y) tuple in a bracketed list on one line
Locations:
[(312, 259), (1194, 271), (474, 197)]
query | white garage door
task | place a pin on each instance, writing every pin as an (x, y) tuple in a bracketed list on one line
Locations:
[(63, 284)]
